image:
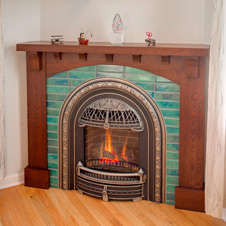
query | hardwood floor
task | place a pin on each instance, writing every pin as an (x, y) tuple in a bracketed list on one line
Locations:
[(30, 206)]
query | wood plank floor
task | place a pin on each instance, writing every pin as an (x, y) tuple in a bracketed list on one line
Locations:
[(30, 206)]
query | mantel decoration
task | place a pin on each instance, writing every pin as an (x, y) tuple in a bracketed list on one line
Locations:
[(150, 41), (57, 39), (117, 36), (82, 40)]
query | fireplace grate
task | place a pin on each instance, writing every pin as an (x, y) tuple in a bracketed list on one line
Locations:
[(121, 166), (107, 185)]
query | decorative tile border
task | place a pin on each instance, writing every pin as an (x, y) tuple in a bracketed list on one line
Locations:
[(164, 92)]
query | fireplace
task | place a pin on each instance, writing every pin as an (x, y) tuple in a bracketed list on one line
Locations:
[(181, 64), (112, 137)]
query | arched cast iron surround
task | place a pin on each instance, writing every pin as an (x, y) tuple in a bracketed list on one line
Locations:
[(121, 87)]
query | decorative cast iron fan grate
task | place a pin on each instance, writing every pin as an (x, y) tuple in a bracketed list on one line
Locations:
[(111, 113)]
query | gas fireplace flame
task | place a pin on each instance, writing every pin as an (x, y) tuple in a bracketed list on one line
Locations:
[(123, 154), (108, 147)]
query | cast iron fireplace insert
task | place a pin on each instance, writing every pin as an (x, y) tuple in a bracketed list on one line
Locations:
[(112, 141)]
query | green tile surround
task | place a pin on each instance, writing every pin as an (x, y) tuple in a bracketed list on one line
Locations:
[(164, 92)]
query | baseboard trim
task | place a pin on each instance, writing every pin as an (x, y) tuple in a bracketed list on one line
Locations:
[(224, 214), (12, 180)]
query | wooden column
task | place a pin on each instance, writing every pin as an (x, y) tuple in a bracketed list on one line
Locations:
[(36, 173), (190, 192)]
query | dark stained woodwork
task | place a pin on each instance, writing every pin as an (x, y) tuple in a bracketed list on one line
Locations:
[(109, 58), (58, 56), (182, 64), (82, 56), (192, 69), (125, 48), (36, 105), (35, 59), (137, 59), (37, 177), (165, 59), (190, 199)]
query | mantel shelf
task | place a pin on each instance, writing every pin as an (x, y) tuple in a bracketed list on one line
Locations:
[(108, 48)]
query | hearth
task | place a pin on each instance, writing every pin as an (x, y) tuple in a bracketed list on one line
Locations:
[(112, 136)]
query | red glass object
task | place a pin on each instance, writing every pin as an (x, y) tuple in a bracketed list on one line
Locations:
[(83, 41)]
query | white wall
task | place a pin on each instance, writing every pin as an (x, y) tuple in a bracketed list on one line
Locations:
[(174, 21), (21, 22)]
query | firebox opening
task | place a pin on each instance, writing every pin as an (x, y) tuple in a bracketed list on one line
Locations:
[(114, 150)]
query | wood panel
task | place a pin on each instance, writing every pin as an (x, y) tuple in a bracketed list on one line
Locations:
[(31, 206), (37, 126), (190, 199), (191, 143), (125, 48)]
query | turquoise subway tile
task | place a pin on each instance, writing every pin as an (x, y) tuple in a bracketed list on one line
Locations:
[(170, 188), (86, 68), (53, 165), (51, 119), (54, 186), (167, 96), (146, 86), (52, 158), (170, 202), (54, 173), (104, 74), (52, 135), (53, 112), (172, 172), (140, 77), (167, 87), (151, 94), (57, 89), (170, 196), (173, 155), (109, 68), (57, 81), (172, 130), (71, 88), (168, 104), (172, 163), (172, 122), (76, 82), (172, 180), (53, 180), (52, 143), (81, 75), (61, 75), (171, 113), (172, 139), (159, 79), (54, 104), (52, 150), (135, 70), (59, 97), (52, 127), (172, 147)]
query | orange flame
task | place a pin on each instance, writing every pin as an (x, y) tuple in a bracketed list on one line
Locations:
[(123, 154), (107, 146)]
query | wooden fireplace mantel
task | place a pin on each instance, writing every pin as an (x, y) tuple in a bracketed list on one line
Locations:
[(183, 64)]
